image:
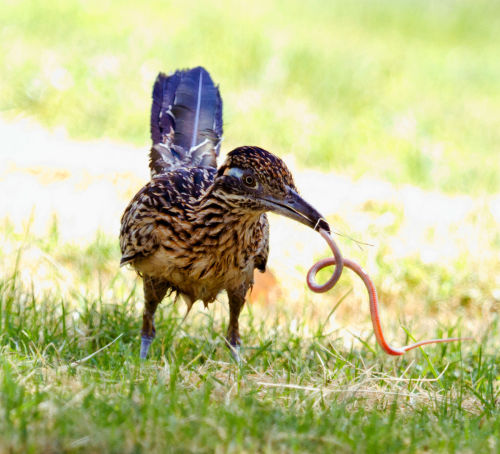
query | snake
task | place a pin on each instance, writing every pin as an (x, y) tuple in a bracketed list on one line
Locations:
[(340, 262)]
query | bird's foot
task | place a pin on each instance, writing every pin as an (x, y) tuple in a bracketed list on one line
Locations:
[(235, 353), (145, 344)]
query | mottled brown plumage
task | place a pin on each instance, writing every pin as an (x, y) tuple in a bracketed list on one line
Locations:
[(195, 229)]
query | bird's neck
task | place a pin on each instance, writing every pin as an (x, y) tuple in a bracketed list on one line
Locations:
[(228, 236), (218, 208)]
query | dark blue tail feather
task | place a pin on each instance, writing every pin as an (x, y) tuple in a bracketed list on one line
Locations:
[(186, 121)]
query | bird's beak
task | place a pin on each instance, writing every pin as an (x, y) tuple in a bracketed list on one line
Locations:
[(295, 207)]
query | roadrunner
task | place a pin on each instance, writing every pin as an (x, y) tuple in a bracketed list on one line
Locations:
[(196, 229)]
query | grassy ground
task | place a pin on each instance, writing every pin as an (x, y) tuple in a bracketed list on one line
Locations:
[(71, 381), (405, 91)]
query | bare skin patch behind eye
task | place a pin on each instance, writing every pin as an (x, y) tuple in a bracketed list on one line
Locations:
[(233, 172)]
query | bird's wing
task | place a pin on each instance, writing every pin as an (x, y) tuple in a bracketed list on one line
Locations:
[(186, 121), (161, 205), (138, 233)]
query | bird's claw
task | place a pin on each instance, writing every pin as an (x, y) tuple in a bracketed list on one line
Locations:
[(145, 344)]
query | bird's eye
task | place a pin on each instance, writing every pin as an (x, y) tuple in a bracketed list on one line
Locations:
[(249, 181)]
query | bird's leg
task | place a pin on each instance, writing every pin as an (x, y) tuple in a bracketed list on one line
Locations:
[(236, 302), (154, 291)]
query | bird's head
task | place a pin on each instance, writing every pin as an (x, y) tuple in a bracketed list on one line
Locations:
[(252, 179)]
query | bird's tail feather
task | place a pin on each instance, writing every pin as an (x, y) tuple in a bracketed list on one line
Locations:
[(186, 121)]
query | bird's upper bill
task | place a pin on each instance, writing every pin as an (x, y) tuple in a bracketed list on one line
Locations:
[(255, 179), (296, 208)]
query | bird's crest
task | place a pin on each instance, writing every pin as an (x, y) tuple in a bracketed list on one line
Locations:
[(186, 121)]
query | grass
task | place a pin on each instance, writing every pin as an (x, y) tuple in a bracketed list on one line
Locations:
[(404, 91), (71, 380)]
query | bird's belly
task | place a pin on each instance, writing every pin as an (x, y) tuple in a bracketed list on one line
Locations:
[(200, 279)]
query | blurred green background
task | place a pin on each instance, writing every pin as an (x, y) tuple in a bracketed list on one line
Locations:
[(401, 90)]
